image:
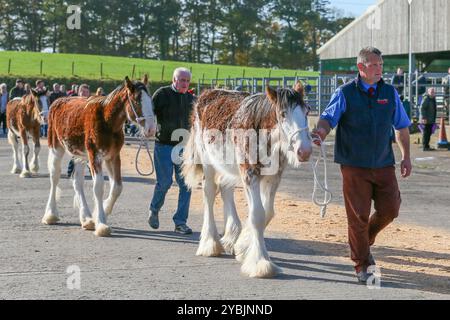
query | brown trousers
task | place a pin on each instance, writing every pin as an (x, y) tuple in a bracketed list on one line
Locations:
[(360, 187)]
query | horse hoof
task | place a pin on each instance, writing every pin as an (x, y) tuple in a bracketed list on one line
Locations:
[(102, 230), (35, 170), (261, 269), (210, 248), (25, 174), (16, 170), (88, 225), (50, 219)]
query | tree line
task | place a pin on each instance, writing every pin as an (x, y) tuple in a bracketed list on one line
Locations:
[(263, 33)]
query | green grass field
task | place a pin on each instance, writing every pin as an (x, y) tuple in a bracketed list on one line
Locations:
[(28, 64)]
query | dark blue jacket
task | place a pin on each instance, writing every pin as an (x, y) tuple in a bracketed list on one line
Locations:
[(364, 133)]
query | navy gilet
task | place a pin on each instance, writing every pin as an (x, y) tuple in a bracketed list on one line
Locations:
[(364, 133)]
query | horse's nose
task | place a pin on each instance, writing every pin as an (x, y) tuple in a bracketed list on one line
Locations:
[(303, 154)]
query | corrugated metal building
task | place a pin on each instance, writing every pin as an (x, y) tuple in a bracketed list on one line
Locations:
[(386, 26)]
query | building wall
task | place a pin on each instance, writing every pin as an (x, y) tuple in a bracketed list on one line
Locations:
[(386, 28)]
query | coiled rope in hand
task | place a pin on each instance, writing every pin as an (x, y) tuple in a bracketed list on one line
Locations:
[(144, 143)]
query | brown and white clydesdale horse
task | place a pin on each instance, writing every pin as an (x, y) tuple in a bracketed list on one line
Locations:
[(24, 117), (237, 137), (92, 130)]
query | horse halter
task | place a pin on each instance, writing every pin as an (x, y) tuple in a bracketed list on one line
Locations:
[(291, 143), (133, 107)]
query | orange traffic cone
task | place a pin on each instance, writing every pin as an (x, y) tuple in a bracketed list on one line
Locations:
[(442, 142)]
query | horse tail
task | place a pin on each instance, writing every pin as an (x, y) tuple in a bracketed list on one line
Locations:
[(191, 169), (51, 136)]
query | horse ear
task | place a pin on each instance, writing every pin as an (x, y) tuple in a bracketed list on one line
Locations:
[(34, 92), (299, 88), (145, 79), (271, 94), (129, 84)]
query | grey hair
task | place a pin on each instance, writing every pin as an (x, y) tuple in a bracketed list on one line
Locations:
[(177, 71), (365, 53), (3, 85)]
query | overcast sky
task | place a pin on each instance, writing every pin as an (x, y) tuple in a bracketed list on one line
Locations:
[(354, 7)]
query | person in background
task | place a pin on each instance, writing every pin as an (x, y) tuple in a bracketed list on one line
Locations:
[(83, 91), (27, 88), (18, 91), (446, 85), (4, 98), (428, 117), (73, 92), (40, 86), (100, 92), (56, 93)]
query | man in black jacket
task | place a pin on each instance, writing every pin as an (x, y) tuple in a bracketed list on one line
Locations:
[(172, 106), (18, 91), (428, 117)]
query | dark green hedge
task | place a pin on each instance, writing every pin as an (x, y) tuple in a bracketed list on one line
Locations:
[(107, 84)]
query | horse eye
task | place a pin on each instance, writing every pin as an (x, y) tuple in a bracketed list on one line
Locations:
[(283, 114)]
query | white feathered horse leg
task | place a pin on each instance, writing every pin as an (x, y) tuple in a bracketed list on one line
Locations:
[(256, 262), (13, 141), (210, 245), (80, 202), (55, 156), (231, 219)]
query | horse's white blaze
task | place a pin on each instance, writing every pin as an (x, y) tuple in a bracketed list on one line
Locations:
[(295, 123), (147, 111)]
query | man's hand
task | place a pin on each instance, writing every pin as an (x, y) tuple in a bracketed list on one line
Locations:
[(320, 132), (406, 167)]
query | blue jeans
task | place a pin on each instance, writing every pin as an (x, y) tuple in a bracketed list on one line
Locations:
[(44, 129), (164, 168)]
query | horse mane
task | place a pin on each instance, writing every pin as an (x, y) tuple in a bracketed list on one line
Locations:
[(107, 100), (258, 112), (104, 101), (27, 99)]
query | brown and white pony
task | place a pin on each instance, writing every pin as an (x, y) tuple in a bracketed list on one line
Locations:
[(24, 117), (92, 130), (236, 138)]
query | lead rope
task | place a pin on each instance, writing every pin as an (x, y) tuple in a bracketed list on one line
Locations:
[(324, 187), (142, 143)]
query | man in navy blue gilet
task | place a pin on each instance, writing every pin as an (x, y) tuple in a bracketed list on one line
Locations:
[(364, 111)]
